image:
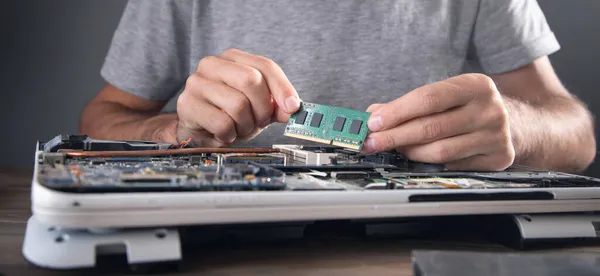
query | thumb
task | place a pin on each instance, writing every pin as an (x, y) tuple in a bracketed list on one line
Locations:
[(282, 116)]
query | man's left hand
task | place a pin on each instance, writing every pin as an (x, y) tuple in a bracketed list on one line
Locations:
[(460, 122)]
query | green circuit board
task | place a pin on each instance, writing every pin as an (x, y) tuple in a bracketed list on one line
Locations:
[(329, 125)]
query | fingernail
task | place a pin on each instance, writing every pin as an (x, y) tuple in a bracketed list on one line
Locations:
[(369, 146), (292, 104), (228, 140), (375, 123)]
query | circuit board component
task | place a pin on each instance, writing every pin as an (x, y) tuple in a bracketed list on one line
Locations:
[(329, 125)]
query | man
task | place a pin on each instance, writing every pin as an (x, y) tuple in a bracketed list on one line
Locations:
[(245, 65)]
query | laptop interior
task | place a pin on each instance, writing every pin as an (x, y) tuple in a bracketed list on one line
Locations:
[(81, 182)]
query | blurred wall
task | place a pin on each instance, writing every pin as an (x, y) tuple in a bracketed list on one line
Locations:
[(50, 56), (51, 53), (576, 25)]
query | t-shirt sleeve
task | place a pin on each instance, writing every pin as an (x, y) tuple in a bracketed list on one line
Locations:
[(149, 53), (509, 34)]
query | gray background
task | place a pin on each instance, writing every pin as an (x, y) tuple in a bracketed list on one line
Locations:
[(51, 53)]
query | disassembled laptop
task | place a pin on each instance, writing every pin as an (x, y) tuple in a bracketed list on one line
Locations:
[(93, 166), (79, 164)]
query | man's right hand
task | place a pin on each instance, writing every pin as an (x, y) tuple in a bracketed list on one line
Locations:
[(232, 98)]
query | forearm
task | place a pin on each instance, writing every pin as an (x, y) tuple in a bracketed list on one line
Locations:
[(109, 120), (554, 133)]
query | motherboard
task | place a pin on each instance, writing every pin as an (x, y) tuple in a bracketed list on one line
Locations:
[(77, 163)]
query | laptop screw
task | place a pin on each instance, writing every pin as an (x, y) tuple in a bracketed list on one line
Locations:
[(161, 234)]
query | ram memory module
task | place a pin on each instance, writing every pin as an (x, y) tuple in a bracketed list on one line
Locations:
[(329, 125)]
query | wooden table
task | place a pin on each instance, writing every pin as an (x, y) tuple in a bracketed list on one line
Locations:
[(337, 256)]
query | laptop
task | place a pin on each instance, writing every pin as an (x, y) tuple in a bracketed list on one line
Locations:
[(80, 182)]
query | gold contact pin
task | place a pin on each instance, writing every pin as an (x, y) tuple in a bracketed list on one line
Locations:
[(308, 138), (350, 146)]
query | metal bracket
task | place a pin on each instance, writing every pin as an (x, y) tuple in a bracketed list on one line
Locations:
[(55, 248), (530, 231), (558, 226)]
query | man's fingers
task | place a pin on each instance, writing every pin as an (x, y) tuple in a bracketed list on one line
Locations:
[(482, 162), (426, 100), (213, 119), (233, 102), (280, 87), (234, 96), (242, 78), (427, 129), (454, 148)]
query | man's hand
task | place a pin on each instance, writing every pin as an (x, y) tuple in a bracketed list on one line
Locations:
[(233, 97), (460, 122)]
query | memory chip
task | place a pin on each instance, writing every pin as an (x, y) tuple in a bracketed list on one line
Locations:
[(301, 117), (338, 125), (316, 120), (327, 125), (355, 126)]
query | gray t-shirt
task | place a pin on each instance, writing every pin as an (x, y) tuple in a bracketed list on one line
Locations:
[(348, 53)]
